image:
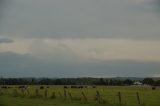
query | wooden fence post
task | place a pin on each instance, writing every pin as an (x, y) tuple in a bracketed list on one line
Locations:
[(1, 93), (45, 94), (22, 91), (60, 95), (53, 95), (6, 91), (120, 98), (138, 99), (84, 96), (28, 93), (15, 93), (70, 96), (65, 94), (98, 96), (37, 92)]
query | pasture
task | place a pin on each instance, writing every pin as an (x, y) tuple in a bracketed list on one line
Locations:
[(51, 95)]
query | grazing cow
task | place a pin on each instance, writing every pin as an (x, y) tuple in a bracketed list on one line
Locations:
[(73, 86), (4, 87), (153, 88), (93, 86), (80, 87), (9, 87), (41, 87), (21, 86), (65, 87)]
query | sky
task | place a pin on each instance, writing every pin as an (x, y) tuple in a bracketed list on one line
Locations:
[(79, 38)]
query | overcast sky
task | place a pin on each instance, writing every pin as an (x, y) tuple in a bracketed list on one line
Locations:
[(79, 38)]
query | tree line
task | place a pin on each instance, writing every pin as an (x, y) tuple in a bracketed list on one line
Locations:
[(76, 81)]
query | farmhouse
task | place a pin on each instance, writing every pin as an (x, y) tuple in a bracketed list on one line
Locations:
[(138, 83)]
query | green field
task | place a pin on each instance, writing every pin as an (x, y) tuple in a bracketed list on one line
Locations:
[(108, 96)]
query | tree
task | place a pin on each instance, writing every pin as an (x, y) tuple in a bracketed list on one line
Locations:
[(127, 82), (101, 82), (148, 81), (58, 82), (157, 83)]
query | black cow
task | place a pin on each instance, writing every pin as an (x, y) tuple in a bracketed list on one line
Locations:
[(41, 87), (73, 86), (93, 86), (65, 87), (4, 87), (80, 87), (153, 88), (22, 86)]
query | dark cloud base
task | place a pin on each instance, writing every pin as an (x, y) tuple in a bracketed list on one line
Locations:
[(16, 65)]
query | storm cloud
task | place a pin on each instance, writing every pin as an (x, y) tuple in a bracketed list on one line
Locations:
[(131, 19), (76, 38), (16, 65)]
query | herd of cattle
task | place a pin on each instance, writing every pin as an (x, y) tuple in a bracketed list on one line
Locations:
[(7, 87), (81, 86), (43, 87)]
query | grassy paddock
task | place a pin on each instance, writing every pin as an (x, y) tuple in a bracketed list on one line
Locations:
[(55, 96)]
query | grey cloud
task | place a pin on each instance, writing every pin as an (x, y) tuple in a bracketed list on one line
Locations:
[(16, 65), (81, 19), (61, 52), (5, 40), (2, 7)]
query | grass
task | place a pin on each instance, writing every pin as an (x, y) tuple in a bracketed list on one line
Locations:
[(148, 97)]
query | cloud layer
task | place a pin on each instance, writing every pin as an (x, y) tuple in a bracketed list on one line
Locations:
[(82, 19), (15, 65), (83, 49), (72, 38)]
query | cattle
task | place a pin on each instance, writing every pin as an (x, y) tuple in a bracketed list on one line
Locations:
[(41, 87), (93, 86), (65, 87), (9, 87), (80, 86), (153, 88), (73, 86), (4, 87), (22, 86)]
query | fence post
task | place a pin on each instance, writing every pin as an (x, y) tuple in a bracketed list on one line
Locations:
[(45, 94), (70, 96), (28, 93), (15, 93), (65, 94), (53, 95), (6, 91), (138, 99), (120, 98), (84, 96), (98, 97), (1, 92), (37, 92), (60, 95), (22, 91)]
